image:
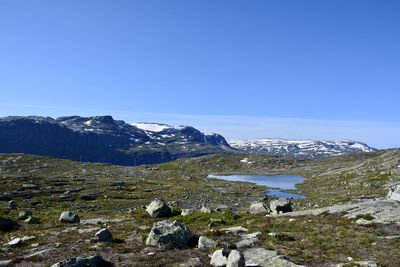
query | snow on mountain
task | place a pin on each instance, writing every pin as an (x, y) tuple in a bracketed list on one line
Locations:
[(300, 148), (151, 127)]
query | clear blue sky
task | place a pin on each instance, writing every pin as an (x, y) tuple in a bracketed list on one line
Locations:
[(332, 61)]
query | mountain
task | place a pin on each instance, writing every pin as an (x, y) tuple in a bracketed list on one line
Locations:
[(300, 149), (103, 139)]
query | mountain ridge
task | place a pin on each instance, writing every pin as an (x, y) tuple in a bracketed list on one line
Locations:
[(300, 148)]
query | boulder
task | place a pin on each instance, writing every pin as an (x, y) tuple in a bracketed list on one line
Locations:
[(12, 205), (394, 192), (259, 208), (219, 258), (235, 230), (169, 234), (206, 243), (7, 224), (158, 208), (104, 235), (23, 215), (94, 261), (235, 259), (249, 240), (69, 217), (281, 205), (266, 258), (32, 220)]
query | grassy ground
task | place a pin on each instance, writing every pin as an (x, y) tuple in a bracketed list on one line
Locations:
[(122, 191)]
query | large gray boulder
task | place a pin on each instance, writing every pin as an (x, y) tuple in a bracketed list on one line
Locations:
[(259, 208), (394, 192), (219, 258), (69, 217), (206, 243), (158, 208), (281, 205), (235, 259), (169, 234), (94, 261), (104, 235)]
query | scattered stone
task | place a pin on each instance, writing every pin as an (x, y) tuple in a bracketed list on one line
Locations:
[(7, 224), (266, 258), (192, 262), (185, 212), (30, 186), (205, 210), (69, 217), (219, 258), (87, 230), (235, 259), (358, 264), (259, 208), (104, 235), (206, 243), (15, 242), (88, 197), (363, 222), (169, 233), (249, 240), (94, 261), (282, 205), (23, 215), (394, 192), (5, 263), (158, 208), (12, 205), (32, 220), (235, 230)]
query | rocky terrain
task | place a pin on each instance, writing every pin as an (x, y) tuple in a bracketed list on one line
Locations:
[(307, 149), (103, 139), (62, 213)]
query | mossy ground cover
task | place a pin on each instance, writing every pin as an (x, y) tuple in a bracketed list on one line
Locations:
[(122, 191)]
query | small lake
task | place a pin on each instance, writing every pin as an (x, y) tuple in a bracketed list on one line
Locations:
[(277, 183)]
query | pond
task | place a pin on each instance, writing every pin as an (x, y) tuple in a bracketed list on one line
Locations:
[(277, 183)]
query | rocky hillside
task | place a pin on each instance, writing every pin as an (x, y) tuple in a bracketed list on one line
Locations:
[(103, 139), (300, 149)]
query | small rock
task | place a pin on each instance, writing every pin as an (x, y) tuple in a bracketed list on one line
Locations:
[(219, 258), (192, 262), (235, 259), (30, 186), (104, 235), (94, 261), (7, 224), (32, 220), (23, 215), (205, 210), (185, 212), (216, 222), (278, 206), (249, 240), (363, 222), (158, 208), (69, 217), (206, 243), (88, 197), (12, 205), (15, 242), (394, 192), (235, 230), (259, 208), (169, 233), (5, 263)]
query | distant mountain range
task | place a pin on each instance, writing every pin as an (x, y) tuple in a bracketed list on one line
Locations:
[(103, 139), (300, 148)]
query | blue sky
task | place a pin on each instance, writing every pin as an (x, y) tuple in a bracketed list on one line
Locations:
[(248, 69)]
